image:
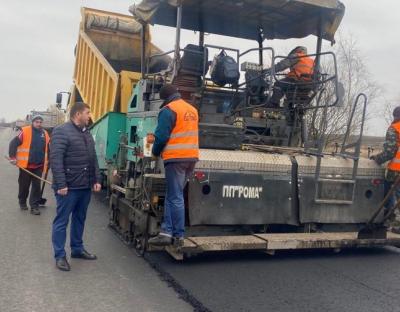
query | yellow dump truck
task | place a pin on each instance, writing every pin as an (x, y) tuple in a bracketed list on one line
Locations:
[(107, 65)]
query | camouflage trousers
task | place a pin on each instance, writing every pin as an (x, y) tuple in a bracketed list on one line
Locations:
[(394, 219)]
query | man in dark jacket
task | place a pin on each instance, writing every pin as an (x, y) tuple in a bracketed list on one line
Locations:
[(177, 142), (391, 153), (75, 170), (28, 151)]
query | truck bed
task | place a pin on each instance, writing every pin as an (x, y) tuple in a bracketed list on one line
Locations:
[(107, 64)]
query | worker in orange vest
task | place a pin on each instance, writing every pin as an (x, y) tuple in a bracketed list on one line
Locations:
[(177, 141), (391, 154), (29, 150), (301, 71)]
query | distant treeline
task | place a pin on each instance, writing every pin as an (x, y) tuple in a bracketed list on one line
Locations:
[(372, 141)]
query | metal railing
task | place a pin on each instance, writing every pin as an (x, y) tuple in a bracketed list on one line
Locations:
[(355, 155), (319, 80)]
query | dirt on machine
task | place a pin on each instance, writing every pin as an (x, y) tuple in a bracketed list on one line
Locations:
[(264, 180)]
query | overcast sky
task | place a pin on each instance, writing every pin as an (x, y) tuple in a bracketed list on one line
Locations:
[(38, 39)]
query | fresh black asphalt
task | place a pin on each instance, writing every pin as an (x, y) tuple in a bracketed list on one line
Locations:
[(364, 280), (356, 280)]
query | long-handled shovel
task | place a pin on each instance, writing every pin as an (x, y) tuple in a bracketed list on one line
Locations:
[(371, 230), (42, 200)]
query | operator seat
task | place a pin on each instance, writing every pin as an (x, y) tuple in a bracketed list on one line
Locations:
[(192, 61), (190, 68), (301, 94)]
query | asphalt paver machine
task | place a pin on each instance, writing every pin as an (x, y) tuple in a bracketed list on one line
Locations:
[(262, 182)]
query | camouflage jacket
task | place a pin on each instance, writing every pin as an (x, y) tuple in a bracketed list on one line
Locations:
[(287, 62), (389, 152)]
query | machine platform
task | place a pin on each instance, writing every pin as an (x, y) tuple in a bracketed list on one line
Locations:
[(272, 242)]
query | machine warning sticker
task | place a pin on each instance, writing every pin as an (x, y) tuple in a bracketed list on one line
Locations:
[(241, 191)]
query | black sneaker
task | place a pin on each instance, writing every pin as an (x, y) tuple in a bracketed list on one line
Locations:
[(62, 264), (395, 229), (84, 255), (161, 240), (179, 242), (23, 206), (42, 202), (35, 211)]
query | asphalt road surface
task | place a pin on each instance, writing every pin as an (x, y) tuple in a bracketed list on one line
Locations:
[(354, 280), (29, 281), (362, 280)]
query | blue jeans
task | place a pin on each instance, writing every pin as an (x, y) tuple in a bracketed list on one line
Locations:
[(76, 203), (393, 199), (176, 175)]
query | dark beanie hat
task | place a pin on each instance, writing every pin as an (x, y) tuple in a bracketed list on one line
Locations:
[(166, 91), (37, 117), (396, 112)]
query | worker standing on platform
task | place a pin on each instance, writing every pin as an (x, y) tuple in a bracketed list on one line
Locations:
[(75, 171), (391, 153), (177, 141), (29, 150)]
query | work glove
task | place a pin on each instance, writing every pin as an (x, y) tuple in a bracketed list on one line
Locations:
[(373, 157)]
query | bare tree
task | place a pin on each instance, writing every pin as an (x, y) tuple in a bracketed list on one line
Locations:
[(354, 75), (388, 107)]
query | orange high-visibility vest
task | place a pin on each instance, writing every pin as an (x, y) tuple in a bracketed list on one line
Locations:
[(184, 138), (303, 69), (24, 149), (394, 164)]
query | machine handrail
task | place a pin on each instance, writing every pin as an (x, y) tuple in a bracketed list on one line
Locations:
[(355, 156), (258, 49), (262, 71), (206, 61), (315, 82), (308, 55), (357, 143)]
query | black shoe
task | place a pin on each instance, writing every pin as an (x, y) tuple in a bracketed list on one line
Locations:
[(179, 242), (62, 264), (35, 211), (23, 206), (84, 255), (160, 240), (395, 229), (42, 202)]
